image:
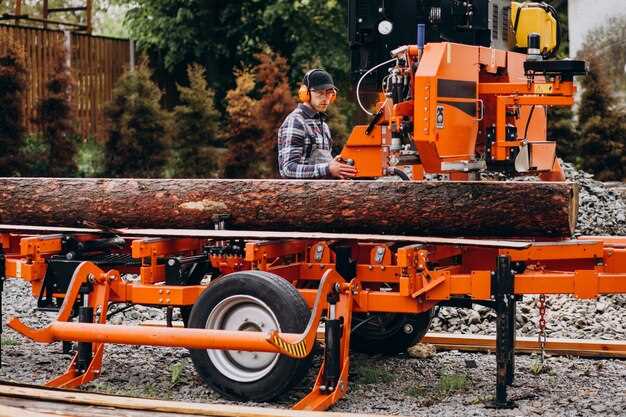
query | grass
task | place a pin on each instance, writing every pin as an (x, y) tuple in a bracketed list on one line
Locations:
[(7, 341), (372, 375), (416, 391), (176, 371), (447, 384)]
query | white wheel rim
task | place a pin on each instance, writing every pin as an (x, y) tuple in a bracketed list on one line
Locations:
[(243, 313)]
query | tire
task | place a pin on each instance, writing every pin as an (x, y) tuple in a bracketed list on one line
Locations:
[(253, 301), (388, 333)]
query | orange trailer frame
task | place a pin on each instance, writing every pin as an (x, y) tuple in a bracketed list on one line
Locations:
[(416, 277)]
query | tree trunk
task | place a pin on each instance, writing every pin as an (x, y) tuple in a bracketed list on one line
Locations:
[(502, 209)]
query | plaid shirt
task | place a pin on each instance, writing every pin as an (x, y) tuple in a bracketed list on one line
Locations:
[(302, 132)]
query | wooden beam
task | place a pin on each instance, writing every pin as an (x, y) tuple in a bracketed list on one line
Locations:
[(574, 347), (148, 405)]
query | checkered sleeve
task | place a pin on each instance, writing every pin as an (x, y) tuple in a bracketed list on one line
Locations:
[(291, 145)]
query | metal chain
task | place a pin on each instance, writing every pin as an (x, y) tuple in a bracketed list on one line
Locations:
[(542, 326)]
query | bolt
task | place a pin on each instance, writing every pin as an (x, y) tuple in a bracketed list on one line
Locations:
[(255, 356), (90, 278), (160, 300)]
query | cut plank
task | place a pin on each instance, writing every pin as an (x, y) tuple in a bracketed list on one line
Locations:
[(265, 235), (148, 405), (575, 347), (496, 209)]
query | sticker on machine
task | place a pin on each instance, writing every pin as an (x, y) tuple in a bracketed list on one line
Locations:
[(439, 117)]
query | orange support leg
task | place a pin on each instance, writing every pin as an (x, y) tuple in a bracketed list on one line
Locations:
[(324, 394)]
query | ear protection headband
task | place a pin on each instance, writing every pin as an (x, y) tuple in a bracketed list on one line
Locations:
[(304, 93)]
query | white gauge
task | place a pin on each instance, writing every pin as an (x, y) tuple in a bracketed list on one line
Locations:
[(385, 27)]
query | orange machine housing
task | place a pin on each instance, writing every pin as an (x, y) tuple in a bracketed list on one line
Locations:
[(468, 110)]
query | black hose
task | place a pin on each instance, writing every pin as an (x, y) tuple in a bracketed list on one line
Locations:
[(399, 173)]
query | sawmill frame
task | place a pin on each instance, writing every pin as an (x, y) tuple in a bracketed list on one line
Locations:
[(350, 274)]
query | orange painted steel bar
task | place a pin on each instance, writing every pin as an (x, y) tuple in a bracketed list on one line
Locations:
[(153, 336), (577, 347)]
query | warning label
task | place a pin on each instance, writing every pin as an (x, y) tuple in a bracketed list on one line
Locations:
[(439, 117)]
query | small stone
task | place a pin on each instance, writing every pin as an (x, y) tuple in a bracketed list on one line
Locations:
[(474, 317)]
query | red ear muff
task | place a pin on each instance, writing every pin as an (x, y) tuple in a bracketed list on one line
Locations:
[(303, 94)]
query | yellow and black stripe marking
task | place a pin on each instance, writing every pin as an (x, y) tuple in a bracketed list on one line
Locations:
[(294, 350)]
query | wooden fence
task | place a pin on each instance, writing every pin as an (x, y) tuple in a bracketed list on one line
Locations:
[(96, 63)]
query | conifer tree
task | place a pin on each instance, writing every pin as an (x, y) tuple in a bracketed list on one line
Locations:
[(56, 119), (275, 104), (602, 128), (12, 88), (196, 128), (562, 129), (244, 159), (137, 145)]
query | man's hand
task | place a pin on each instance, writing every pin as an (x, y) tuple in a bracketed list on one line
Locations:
[(340, 170)]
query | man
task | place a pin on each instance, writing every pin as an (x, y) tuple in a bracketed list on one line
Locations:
[(304, 142)]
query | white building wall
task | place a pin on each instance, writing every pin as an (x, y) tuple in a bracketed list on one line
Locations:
[(585, 15)]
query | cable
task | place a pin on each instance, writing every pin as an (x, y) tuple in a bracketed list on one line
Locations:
[(530, 116), (358, 85)]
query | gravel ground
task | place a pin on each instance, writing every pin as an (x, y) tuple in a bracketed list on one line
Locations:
[(446, 384)]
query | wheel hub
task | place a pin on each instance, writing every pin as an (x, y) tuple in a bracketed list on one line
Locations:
[(242, 313)]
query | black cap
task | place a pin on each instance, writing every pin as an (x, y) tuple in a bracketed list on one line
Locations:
[(319, 80)]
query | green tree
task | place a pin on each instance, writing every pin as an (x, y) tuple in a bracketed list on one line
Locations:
[(602, 128), (222, 34), (196, 128), (12, 88), (607, 44), (562, 128), (138, 127), (56, 118)]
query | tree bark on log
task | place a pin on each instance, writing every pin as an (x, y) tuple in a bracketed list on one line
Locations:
[(500, 209)]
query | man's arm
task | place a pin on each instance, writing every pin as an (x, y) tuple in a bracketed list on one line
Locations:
[(291, 149)]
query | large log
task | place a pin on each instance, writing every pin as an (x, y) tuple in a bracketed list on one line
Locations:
[(502, 209)]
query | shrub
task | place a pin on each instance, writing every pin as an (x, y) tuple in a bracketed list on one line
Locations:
[(602, 128), (12, 88), (253, 123), (196, 128), (56, 118), (137, 144), (243, 157)]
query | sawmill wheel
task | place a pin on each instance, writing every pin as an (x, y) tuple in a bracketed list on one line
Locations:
[(249, 301), (388, 333)]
